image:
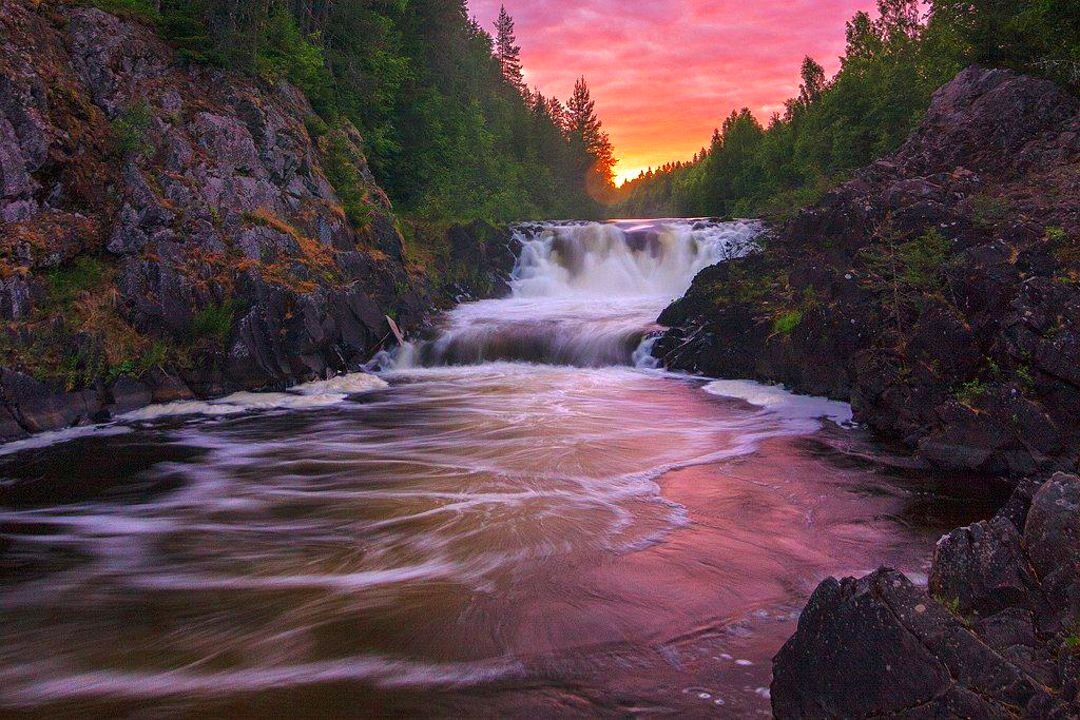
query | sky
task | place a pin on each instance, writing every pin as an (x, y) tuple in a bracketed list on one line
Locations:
[(664, 73)]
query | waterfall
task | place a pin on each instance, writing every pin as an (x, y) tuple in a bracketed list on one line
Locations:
[(584, 294)]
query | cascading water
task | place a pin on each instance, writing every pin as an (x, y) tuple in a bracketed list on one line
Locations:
[(584, 294), (458, 537)]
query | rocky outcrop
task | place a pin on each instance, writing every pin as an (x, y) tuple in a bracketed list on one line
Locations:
[(938, 291), (188, 230), (997, 634)]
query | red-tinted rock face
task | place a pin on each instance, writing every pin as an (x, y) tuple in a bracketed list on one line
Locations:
[(938, 290), (211, 240)]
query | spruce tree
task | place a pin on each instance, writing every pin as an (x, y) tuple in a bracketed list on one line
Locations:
[(508, 52)]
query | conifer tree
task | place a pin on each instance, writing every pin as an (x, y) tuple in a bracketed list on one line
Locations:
[(508, 52)]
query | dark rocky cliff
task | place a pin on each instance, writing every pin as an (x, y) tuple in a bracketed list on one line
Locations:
[(996, 634), (170, 230), (939, 290)]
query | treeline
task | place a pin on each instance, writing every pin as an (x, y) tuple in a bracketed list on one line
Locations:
[(891, 67), (452, 131)]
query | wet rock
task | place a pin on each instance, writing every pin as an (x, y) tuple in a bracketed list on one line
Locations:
[(880, 647), (38, 408), (990, 640), (166, 388), (128, 394)]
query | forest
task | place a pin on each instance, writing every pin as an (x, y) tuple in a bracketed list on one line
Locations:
[(452, 131), (892, 65)]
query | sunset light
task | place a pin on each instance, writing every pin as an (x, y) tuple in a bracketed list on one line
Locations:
[(664, 74)]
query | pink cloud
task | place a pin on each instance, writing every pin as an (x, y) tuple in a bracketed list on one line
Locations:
[(666, 72)]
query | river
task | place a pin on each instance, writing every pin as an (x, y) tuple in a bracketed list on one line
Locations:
[(519, 516)]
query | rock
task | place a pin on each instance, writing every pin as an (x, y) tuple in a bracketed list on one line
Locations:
[(983, 570), (881, 647), (974, 368), (202, 202), (128, 394), (1052, 536), (37, 408), (165, 388), (10, 429)]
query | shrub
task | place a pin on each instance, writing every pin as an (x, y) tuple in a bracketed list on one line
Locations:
[(923, 259), (786, 323), (214, 322), (343, 174), (969, 393), (130, 129)]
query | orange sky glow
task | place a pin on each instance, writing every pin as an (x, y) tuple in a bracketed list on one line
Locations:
[(665, 73)]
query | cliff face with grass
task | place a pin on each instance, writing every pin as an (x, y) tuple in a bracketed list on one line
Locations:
[(938, 290), (170, 230)]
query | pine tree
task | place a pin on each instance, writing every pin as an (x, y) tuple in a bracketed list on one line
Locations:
[(508, 52), (587, 135)]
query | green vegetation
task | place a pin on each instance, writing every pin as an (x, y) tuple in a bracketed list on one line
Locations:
[(66, 284), (970, 393), (214, 322), (988, 210), (451, 130), (890, 69), (787, 323), (906, 274), (340, 166), (129, 130)]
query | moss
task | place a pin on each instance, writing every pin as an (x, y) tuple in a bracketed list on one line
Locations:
[(988, 210), (67, 283)]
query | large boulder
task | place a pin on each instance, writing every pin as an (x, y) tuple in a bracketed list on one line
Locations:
[(936, 290), (995, 635)]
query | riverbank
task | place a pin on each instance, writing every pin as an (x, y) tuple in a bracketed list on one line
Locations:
[(937, 291), (174, 231)]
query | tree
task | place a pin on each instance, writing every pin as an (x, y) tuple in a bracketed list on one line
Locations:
[(586, 134), (813, 82), (508, 52)]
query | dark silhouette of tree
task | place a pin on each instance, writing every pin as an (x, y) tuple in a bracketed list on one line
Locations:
[(507, 51), (586, 134)]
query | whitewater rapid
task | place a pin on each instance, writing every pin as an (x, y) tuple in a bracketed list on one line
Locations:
[(584, 294)]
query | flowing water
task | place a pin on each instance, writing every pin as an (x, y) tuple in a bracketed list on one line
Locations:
[(520, 517)]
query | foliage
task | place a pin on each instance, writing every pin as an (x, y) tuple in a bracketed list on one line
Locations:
[(787, 323), (214, 322), (969, 393), (891, 66), (343, 173), (906, 274), (451, 130), (130, 129)]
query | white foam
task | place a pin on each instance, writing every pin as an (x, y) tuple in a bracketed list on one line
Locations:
[(320, 394), (776, 399), (353, 384), (57, 437)]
